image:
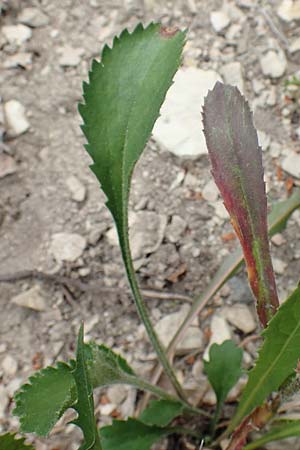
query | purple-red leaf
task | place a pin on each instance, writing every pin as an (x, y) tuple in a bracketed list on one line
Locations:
[(237, 169)]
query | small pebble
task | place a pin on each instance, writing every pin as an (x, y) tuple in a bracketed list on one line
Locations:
[(16, 34), (8, 165), (76, 188), (67, 246), (279, 266), (33, 17), (9, 365), (32, 299), (291, 164), (15, 118), (219, 20), (273, 64), (69, 56), (289, 10), (210, 191)]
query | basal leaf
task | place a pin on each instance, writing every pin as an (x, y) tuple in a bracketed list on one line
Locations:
[(283, 431), (277, 359), (122, 102), (161, 412), (223, 371), (42, 401), (85, 402), (223, 368), (237, 169), (130, 435), (10, 442)]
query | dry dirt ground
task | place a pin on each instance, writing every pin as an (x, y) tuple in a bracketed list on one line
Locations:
[(50, 189)]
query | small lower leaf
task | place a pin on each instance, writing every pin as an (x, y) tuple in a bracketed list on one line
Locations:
[(105, 367), (85, 402), (283, 431), (161, 412), (10, 442), (130, 435), (42, 401), (223, 368)]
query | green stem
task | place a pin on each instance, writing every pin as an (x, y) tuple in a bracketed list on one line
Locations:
[(215, 420), (144, 315)]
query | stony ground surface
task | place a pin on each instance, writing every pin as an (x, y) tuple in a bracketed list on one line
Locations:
[(52, 214)]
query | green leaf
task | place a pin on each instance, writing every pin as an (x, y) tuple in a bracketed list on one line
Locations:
[(10, 442), (161, 412), (277, 220), (277, 358), (122, 102), (238, 172), (223, 371), (51, 391), (130, 435), (85, 402), (283, 431), (104, 366), (223, 368), (41, 402)]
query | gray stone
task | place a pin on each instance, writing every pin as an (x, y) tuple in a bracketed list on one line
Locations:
[(263, 140), (273, 64), (175, 229), (117, 393), (9, 365), (279, 266), (295, 46), (278, 240), (32, 298), (289, 10), (291, 164), (178, 130), (69, 56), (22, 59), (219, 20), (76, 188), (8, 165), (168, 325), (240, 316), (33, 17), (233, 74), (107, 409), (275, 149), (210, 191), (220, 210), (220, 332), (67, 246), (15, 117), (16, 34)]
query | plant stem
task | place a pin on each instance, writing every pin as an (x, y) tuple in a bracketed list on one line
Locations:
[(142, 384), (144, 315)]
